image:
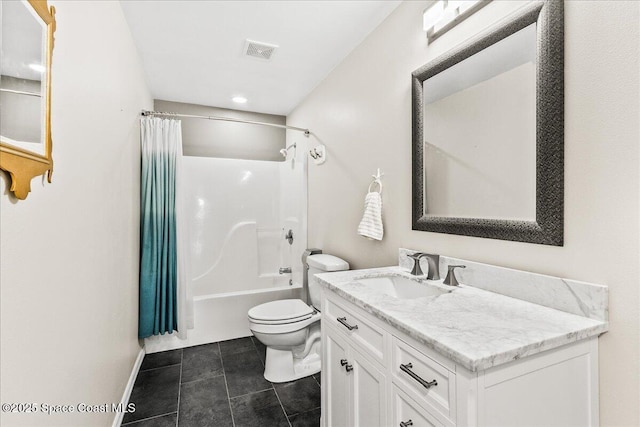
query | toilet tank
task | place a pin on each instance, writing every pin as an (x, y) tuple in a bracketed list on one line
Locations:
[(321, 263)]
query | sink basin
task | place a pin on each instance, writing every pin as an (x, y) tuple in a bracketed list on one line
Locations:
[(401, 287)]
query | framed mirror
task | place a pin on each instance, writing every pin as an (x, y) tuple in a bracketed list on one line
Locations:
[(25, 92), (488, 132)]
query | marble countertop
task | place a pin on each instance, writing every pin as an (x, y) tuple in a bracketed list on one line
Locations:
[(475, 328)]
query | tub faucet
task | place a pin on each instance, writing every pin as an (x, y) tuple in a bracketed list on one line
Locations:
[(432, 260), (284, 270)]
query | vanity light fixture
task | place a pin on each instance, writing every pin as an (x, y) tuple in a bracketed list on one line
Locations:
[(239, 99), (443, 15)]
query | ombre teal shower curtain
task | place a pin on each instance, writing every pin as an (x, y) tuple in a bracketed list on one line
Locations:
[(162, 265)]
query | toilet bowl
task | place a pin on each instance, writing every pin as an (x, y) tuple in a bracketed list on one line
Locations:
[(285, 327), (290, 329)]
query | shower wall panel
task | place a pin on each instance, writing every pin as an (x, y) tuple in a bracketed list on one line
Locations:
[(233, 209)]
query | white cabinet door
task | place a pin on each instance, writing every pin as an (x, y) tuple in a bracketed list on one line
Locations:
[(354, 388), (368, 392), (335, 380)]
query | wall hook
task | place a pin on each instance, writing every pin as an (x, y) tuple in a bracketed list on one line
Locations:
[(319, 154), (377, 179)]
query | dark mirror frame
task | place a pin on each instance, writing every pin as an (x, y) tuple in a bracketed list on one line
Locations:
[(548, 227)]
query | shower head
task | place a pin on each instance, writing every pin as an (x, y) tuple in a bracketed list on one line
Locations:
[(285, 151)]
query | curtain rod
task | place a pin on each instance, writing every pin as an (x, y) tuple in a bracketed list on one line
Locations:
[(224, 119)]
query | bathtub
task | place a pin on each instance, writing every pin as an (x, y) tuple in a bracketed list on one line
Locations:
[(220, 317)]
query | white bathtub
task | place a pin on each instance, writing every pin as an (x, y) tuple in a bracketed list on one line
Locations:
[(220, 317)]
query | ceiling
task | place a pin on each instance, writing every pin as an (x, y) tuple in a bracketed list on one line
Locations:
[(193, 51)]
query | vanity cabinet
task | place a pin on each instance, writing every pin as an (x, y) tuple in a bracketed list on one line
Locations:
[(374, 374), (358, 384)]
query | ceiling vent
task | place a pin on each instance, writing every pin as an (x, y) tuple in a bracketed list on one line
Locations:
[(259, 49)]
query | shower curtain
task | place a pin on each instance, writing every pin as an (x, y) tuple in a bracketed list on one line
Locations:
[(165, 302)]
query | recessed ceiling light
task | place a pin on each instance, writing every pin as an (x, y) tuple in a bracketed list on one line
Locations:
[(37, 67), (239, 99)]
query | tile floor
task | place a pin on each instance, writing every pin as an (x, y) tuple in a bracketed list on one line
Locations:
[(219, 384)]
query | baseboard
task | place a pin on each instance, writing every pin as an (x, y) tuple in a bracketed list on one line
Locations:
[(117, 421)]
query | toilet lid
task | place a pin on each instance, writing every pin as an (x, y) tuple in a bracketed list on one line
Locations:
[(286, 309)]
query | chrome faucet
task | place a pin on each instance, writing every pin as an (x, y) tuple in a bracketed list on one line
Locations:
[(432, 260), (284, 270)]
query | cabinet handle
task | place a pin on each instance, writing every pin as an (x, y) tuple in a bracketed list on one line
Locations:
[(343, 320), (345, 363), (426, 384), (406, 423)]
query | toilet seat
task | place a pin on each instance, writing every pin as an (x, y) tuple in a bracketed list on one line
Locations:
[(280, 312), (284, 327)]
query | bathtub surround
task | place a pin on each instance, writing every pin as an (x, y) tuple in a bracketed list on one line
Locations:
[(69, 253), (362, 110), (238, 214)]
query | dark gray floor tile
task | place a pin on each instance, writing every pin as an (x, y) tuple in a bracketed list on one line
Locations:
[(306, 419), (262, 349), (318, 378), (239, 345), (163, 421), (258, 409), (204, 403), (162, 359), (245, 373), (155, 392), (201, 362), (299, 396)]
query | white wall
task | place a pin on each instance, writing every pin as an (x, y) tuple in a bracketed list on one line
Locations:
[(210, 138), (69, 267), (362, 111)]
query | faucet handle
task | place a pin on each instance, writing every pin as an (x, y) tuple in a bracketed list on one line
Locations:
[(451, 278), (416, 271), (416, 255)]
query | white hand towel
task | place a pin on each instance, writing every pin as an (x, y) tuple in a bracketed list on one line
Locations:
[(371, 224)]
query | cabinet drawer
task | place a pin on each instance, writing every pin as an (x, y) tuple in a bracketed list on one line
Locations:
[(371, 338), (406, 412), (429, 383)]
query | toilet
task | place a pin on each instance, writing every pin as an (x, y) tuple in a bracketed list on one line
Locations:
[(290, 329)]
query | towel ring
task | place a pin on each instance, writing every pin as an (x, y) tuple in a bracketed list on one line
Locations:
[(376, 181)]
